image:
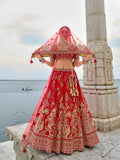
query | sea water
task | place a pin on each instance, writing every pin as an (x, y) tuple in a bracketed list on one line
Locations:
[(18, 105)]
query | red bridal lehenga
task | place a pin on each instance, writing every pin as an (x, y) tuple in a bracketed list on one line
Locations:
[(61, 121)]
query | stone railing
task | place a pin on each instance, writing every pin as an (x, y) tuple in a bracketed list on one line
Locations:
[(15, 134), (108, 148)]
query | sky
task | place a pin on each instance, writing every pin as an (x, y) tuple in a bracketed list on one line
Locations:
[(26, 24)]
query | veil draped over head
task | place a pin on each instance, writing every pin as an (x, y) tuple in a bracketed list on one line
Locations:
[(63, 42)]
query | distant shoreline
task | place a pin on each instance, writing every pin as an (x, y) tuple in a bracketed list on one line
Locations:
[(26, 80), (23, 79), (32, 79)]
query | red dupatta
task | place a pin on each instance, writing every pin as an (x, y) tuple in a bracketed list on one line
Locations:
[(63, 42)]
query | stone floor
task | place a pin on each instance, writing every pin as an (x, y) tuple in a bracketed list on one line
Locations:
[(6, 151), (107, 149)]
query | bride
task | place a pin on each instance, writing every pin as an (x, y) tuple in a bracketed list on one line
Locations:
[(61, 121)]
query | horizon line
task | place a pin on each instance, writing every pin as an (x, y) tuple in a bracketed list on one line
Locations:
[(36, 79), (26, 79)]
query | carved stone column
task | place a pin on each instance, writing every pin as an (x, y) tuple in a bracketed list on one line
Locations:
[(99, 89)]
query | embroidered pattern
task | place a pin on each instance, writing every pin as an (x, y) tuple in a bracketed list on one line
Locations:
[(61, 122), (73, 86), (64, 45)]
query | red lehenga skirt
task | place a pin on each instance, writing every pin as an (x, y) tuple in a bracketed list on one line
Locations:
[(61, 121)]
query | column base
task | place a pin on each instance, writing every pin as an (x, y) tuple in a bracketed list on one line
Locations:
[(107, 124)]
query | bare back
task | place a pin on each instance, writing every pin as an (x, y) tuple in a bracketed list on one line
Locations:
[(64, 63)]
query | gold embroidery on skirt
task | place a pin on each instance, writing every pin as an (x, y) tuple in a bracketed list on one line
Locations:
[(73, 86)]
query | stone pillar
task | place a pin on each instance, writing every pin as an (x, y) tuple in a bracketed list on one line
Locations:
[(99, 89)]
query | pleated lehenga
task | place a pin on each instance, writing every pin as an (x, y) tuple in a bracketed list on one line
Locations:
[(61, 121)]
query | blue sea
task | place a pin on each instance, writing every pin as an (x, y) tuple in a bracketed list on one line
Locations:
[(17, 105)]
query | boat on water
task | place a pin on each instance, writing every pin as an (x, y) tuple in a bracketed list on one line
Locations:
[(27, 89)]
